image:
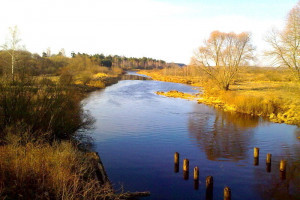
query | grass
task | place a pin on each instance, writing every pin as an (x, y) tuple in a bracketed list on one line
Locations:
[(44, 171), (268, 92), (177, 94), (38, 123)]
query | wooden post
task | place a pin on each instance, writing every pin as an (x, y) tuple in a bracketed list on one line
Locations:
[(176, 162), (209, 187), (256, 156), (282, 166), (196, 178), (256, 152), (268, 160), (186, 165), (227, 193), (185, 169), (176, 158), (196, 173), (209, 182)]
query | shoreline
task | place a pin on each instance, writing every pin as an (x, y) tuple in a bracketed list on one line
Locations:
[(221, 99)]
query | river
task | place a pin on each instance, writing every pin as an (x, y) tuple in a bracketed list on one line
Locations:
[(137, 132)]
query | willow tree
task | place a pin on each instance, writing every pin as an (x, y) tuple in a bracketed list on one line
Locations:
[(222, 55), (285, 44)]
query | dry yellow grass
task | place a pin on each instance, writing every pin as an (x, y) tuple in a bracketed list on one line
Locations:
[(157, 75), (177, 94), (43, 171), (253, 93)]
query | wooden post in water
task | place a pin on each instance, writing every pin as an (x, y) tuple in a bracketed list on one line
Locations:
[(176, 158), (256, 156), (268, 162), (196, 178), (282, 168), (186, 165), (227, 193), (256, 152), (185, 169), (196, 173), (176, 162), (209, 187)]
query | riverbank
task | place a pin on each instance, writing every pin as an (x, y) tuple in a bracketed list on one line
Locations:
[(279, 101), (41, 155)]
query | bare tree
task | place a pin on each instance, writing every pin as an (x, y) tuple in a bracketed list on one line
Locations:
[(285, 44), (222, 56), (12, 46)]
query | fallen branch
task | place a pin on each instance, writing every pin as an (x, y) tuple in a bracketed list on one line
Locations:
[(134, 195)]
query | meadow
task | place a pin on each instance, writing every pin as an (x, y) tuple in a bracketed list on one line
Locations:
[(261, 91)]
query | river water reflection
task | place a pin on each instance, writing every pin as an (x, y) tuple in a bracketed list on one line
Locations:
[(137, 132)]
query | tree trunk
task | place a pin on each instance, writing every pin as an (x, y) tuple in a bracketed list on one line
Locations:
[(226, 87), (12, 67)]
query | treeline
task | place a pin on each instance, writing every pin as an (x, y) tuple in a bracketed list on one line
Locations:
[(27, 63), (124, 62)]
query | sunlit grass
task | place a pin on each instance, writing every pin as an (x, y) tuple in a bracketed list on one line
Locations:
[(44, 171), (177, 94), (268, 92)]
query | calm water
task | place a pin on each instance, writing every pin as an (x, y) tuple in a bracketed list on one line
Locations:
[(137, 132)]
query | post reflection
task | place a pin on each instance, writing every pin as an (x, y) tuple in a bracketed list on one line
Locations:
[(222, 134), (186, 175), (176, 167), (279, 185), (268, 167), (196, 185)]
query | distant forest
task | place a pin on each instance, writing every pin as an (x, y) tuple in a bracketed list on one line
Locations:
[(47, 63)]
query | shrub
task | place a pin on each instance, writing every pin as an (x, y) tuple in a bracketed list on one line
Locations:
[(66, 78), (55, 110)]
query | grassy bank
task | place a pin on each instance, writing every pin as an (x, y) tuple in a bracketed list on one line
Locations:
[(40, 159), (44, 171), (261, 92)]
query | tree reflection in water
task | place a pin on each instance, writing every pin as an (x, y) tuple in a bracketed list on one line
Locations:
[(222, 135), (275, 186), (229, 136)]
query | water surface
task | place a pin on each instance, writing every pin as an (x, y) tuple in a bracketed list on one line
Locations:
[(137, 132)]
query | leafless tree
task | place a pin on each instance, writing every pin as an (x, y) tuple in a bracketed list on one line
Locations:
[(222, 56), (12, 46), (285, 44)]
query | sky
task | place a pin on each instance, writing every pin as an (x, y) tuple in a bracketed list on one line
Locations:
[(170, 30)]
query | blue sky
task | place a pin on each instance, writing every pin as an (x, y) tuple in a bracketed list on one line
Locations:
[(164, 29)]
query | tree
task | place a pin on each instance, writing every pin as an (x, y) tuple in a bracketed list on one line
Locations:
[(12, 46), (285, 44), (222, 56), (106, 62)]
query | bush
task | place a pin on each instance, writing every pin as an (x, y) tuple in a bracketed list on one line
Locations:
[(85, 77), (35, 109), (66, 78)]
